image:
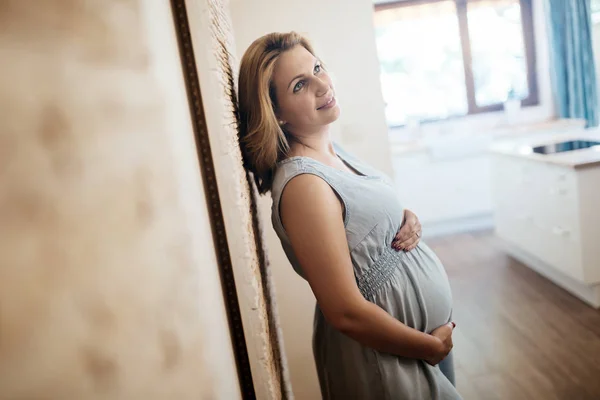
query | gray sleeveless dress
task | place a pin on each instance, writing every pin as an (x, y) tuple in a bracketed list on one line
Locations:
[(412, 287)]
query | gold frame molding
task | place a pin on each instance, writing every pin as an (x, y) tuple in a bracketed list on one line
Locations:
[(205, 158)]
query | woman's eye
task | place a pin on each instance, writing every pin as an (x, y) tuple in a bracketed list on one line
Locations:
[(317, 68), (298, 86)]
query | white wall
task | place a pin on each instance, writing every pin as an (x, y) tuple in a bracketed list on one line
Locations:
[(343, 35)]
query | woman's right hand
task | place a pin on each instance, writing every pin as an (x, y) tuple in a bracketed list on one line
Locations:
[(444, 336)]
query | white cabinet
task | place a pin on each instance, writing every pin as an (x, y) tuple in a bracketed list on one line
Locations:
[(550, 214), (446, 178), (444, 192)]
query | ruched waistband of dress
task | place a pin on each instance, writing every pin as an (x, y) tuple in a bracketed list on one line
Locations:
[(379, 272)]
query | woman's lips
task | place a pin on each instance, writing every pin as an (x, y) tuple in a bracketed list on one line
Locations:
[(327, 105)]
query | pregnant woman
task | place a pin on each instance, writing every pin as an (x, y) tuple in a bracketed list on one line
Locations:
[(384, 307)]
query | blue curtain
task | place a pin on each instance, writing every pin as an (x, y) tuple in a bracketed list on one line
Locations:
[(572, 58)]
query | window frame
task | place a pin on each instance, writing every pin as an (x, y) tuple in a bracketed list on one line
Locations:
[(463, 24)]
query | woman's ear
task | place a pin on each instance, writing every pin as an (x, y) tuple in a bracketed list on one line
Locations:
[(280, 120)]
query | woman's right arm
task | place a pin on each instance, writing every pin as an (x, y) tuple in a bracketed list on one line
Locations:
[(312, 216)]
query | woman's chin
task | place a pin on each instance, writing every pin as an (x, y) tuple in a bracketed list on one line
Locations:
[(334, 113)]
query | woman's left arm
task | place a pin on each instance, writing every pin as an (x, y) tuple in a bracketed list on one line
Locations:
[(409, 234)]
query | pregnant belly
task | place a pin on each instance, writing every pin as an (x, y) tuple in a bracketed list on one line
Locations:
[(418, 292)]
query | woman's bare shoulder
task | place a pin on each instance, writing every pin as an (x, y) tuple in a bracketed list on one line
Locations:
[(309, 198)]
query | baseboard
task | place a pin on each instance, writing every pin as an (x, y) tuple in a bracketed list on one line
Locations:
[(473, 223), (588, 294)]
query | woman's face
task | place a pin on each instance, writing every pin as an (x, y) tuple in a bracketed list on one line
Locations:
[(305, 96)]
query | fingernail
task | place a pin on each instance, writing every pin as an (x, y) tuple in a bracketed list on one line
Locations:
[(453, 325)]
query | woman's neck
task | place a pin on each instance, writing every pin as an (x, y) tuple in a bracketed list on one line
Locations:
[(308, 145)]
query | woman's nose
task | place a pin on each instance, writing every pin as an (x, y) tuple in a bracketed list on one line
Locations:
[(322, 86)]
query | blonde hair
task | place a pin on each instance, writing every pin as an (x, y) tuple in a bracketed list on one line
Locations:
[(262, 140)]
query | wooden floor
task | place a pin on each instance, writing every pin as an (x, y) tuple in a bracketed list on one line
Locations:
[(518, 335)]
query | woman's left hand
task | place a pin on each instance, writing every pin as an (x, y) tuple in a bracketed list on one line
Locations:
[(409, 235)]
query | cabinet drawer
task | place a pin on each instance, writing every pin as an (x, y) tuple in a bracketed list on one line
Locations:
[(538, 210), (559, 213), (554, 246), (560, 177), (520, 229), (558, 207), (562, 252), (516, 183)]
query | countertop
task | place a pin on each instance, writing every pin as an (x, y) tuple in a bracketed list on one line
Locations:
[(477, 140), (522, 148)]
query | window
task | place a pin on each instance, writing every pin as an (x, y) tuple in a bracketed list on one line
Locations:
[(447, 58), (595, 8)]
